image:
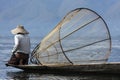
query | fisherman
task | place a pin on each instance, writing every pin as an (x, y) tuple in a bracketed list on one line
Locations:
[(21, 49)]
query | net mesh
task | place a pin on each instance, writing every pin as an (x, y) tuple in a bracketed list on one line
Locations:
[(82, 36)]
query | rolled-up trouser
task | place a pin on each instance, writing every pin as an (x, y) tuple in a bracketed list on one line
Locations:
[(19, 59)]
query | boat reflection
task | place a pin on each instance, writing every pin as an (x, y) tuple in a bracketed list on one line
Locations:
[(21, 75)]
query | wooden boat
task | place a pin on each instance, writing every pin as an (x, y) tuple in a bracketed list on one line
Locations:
[(109, 68), (81, 42)]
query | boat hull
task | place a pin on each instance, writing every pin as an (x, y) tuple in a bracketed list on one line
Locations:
[(111, 67)]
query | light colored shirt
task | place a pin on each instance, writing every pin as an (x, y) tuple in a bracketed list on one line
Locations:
[(22, 44)]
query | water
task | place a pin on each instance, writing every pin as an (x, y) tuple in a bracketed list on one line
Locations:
[(9, 73)]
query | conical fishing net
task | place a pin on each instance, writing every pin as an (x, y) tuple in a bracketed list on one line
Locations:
[(82, 36)]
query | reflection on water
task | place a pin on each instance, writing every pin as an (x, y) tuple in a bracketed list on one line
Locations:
[(20, 75)]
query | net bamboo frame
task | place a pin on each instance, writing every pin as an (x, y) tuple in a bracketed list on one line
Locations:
[(82, 36)]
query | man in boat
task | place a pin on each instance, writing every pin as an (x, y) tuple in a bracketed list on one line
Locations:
[(21, 49)]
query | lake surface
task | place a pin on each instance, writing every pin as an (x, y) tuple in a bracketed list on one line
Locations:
[(9, 73)]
